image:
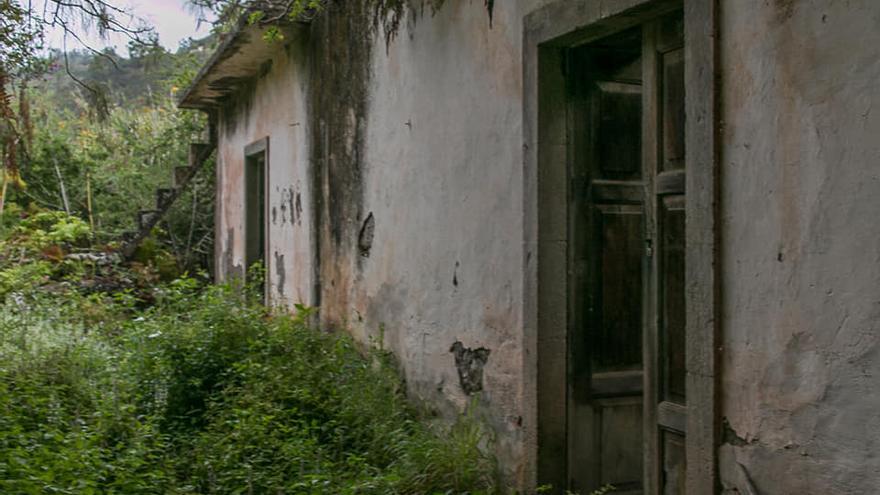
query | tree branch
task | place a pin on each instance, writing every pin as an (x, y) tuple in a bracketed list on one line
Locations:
[(76, 79)]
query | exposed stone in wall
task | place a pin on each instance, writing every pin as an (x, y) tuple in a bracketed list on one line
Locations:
[(365, 238), (470, 363)]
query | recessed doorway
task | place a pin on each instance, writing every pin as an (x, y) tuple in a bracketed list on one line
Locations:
[(612, 331), (255, 211)]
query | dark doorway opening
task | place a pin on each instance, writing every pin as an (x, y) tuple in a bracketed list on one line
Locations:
[(255, 212)]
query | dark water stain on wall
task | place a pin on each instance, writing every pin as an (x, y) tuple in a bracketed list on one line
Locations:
[(784, 9), (280, 271), (289, 198), (285, 209), (365, 237), (341, 45), (238, 105)]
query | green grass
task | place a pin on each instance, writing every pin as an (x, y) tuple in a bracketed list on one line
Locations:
[(204, 392)]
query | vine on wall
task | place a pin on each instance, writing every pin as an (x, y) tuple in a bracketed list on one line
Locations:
[(387, 14)]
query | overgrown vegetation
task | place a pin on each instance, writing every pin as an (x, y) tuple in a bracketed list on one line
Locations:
[(104, 163), (387, 14), (180, 388), (136, 378), (94, 134)]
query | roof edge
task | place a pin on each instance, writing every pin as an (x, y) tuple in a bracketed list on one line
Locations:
[(226, 49), (213, 60)]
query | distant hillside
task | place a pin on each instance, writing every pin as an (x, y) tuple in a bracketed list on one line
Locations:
[(145, 74)]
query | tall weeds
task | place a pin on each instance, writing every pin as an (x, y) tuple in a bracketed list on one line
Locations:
[(206, 392)]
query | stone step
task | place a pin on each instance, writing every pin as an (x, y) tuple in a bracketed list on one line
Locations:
[(164, 196), (145, 217), (196, 151), (181, 175)]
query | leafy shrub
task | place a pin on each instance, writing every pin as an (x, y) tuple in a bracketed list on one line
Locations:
[(44, 250), (68, 422), (207, 392), (24, 276), (32, 252), (45, 228), (106, 171)]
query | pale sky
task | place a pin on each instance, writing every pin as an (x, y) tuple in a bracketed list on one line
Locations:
[(170, 18)]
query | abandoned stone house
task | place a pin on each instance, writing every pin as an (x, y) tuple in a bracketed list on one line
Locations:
[(640, 236)]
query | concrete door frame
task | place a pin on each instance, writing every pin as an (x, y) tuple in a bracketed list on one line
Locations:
[(548, 30)]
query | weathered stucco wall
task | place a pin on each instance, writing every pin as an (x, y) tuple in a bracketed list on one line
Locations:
[(442, 180), (427, 253), (801, 246), (273, 106), (415, 155)]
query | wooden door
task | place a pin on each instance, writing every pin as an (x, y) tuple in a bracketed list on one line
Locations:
[(607, 227), (667, 409), (626, 406)]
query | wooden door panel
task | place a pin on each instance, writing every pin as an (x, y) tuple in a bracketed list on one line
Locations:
[(616, 383), (618, 108), (672, 301), (616, 322), (674, 464), (669, 193), (628, 92), (608, 247), (613, 432), (672, 101), (617, 192), (621, 438)]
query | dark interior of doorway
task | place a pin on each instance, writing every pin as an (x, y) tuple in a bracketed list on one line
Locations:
[(255, 216)]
